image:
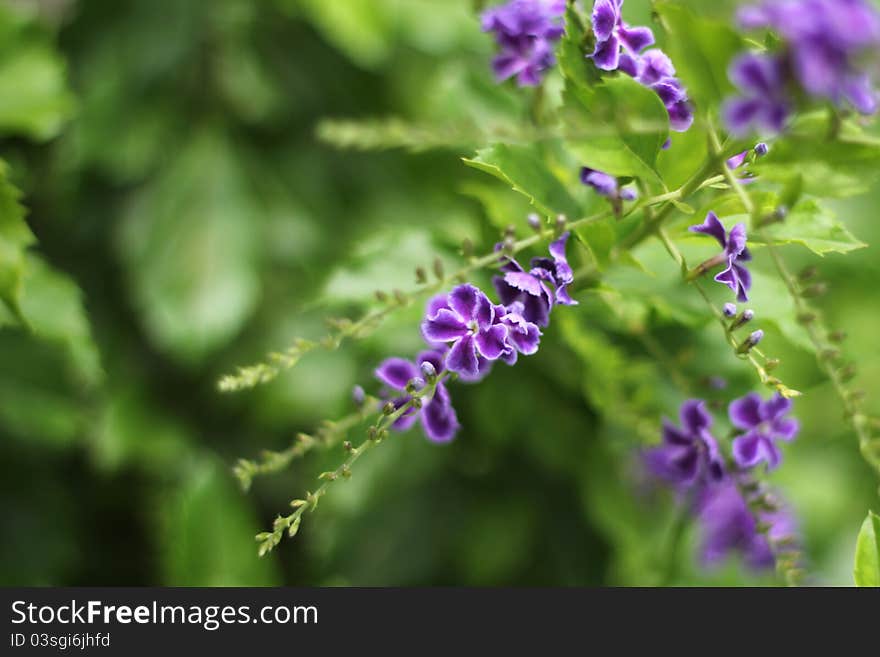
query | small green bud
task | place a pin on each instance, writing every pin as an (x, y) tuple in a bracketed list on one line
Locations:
[(438, 269), (421, 276)]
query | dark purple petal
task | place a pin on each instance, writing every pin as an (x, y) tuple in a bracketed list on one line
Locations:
[(681, 115), (670, 91), (628, 64), (654, 66), (434, 304), (606, 56), (396, 372), (445, 326), (712, 226), (785, 429), (747, 450), (438, 417), (564, 273), (775, 407), (463, 300), (736, 240), (745, 412), (742, 114), (675, 436), (694, 417), (484, 366), (492, 342), (462, 358), (606, 14), (634, 39), (758, 75), (484, 313)]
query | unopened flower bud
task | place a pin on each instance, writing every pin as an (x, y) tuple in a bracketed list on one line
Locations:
[(467, 248), (438, 269), (729, 310), (744, 318), (381, 296), (771, 364), (848, 373), (421, 275), (388, 409), (358, 396), (534, 222), (428, 371), (415, 384), (837, 336), (560, 222), (814, 290), (754, 338), (761, 149)]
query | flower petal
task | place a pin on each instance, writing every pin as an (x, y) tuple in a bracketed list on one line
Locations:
[(694, 416), (463, 300), (747, 450), (438, 417), (605, 17), (745, 412), (606, 56), (396, 372), (634, 39), (462, 358), (712, 226), (445, 326), (492, 342)]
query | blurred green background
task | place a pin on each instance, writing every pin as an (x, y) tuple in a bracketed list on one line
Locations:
[(188, 221)]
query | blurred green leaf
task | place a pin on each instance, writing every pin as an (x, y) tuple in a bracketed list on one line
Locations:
[(15, 237), (526, 171), (702, 49), (189, 246), (867, 566), (207, 533), (624, 123), (34, 99)]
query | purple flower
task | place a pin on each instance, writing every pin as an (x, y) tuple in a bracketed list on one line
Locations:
[(612, 34), (763, 104), (727, 524), (829, 43), (689, 455), (530, 288), (736, 276), (523, 336), (618, 47), (525, 31), (764, 423), (606, 185), (437, 415), (470, 324)]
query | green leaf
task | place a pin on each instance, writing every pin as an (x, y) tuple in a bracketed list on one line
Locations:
[(189, 245), (702, 49), (34, 99), (837, 167), (206, 533), (623, 123), (814, 226), (867, 563), (525, 170), (809, 223), (15, 238)]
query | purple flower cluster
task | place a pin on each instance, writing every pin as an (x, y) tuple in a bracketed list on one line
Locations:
[(734, 254), (525, 31), (467, 332), (728, 525), (689, 460), (620, 47), (826, 45), (530, 291)]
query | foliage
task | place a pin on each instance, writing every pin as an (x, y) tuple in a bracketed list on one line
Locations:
[(187, 186)]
